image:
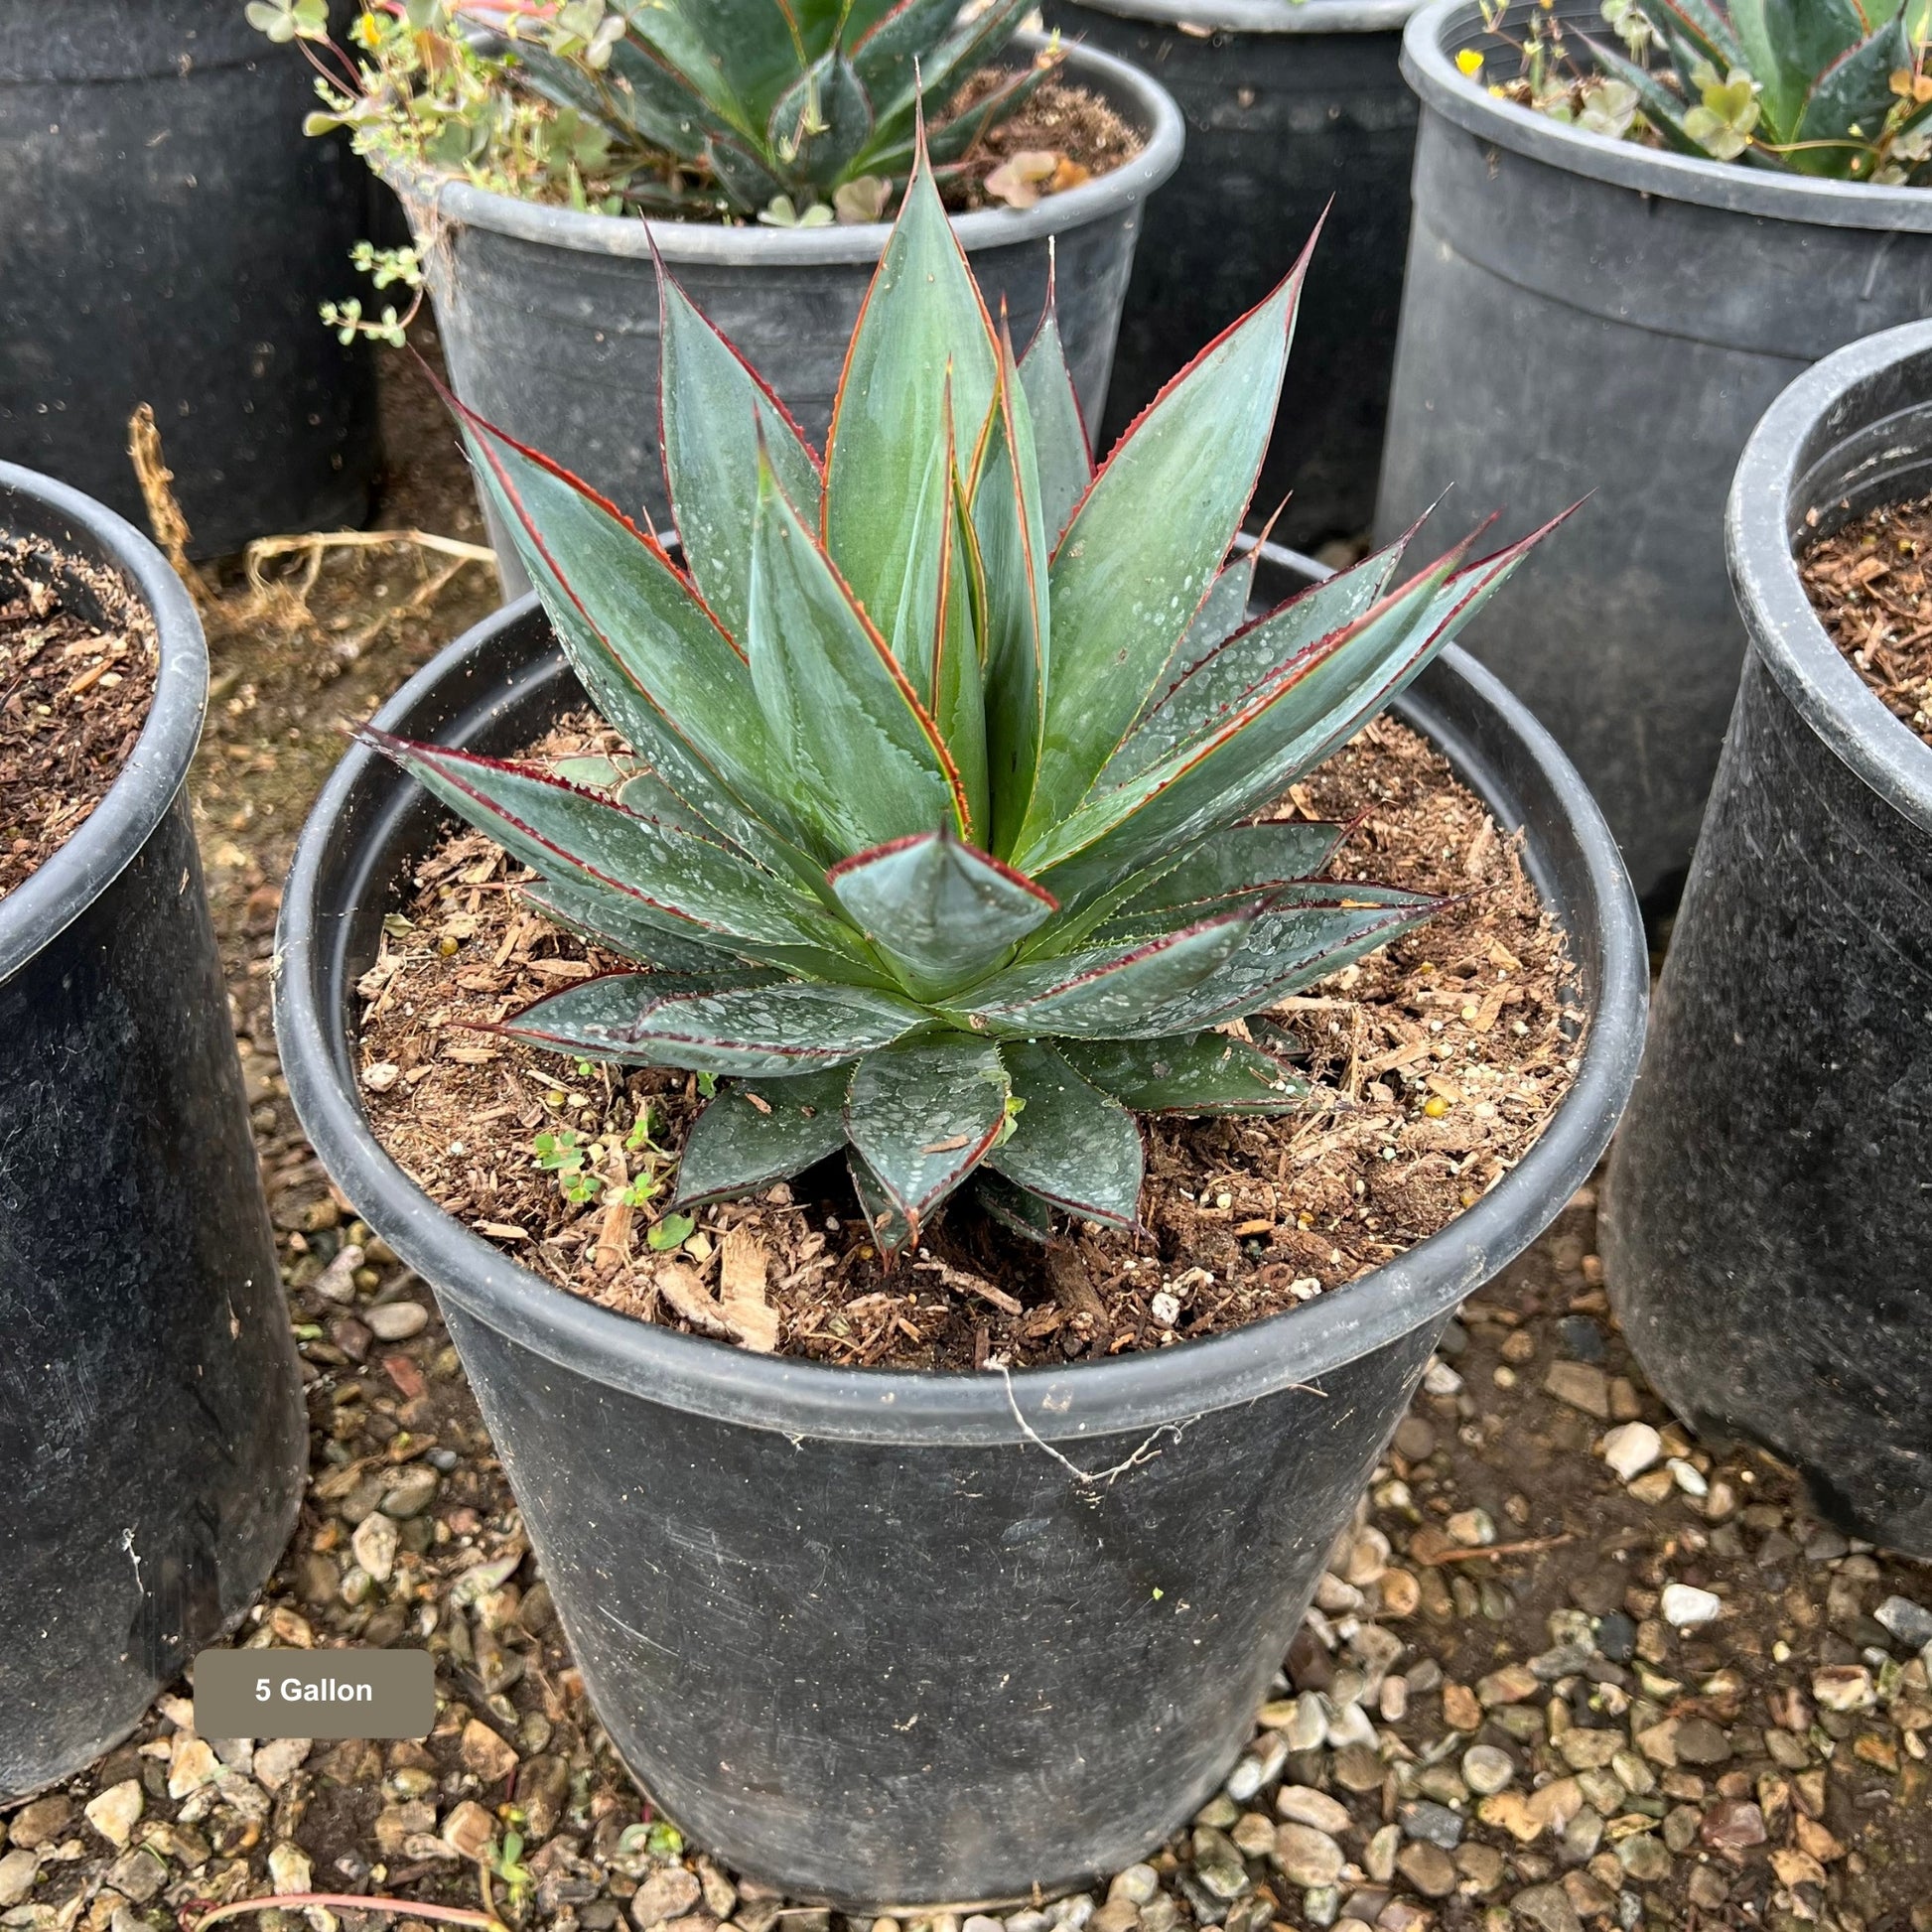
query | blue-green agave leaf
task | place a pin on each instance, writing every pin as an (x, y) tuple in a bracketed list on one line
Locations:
[(923, 1115), (755, 1132), (945, 913), (1015, 1211), (713, 409), (1105, 991), (1148, 540), (1072, 1144), (761, 1029), (1062, 451), (1202, 1073)]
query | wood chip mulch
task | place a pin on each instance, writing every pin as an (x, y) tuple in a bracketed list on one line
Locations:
[(73, 699), (1869, 584)]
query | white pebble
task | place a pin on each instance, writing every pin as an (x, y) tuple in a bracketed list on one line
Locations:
[(1687, 1479), (397, 1320), (1631, 1450), (1683, 1607), (1164, 1308)]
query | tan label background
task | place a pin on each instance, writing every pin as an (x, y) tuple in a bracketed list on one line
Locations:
[(315, 1693)]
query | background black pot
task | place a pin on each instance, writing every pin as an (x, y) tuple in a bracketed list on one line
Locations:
[(1769, 1213), (877, 1635), (152, 1433), (170, 233), (1290, 104), (1583, 313), (549, 318)]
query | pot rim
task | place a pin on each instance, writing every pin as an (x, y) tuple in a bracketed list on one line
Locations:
[(1266, 15), (1155, 1391), (34, 915), (1791, 461), (1145, 100), (1428, 68)]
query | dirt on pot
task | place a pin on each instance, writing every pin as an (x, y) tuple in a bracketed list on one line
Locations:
[(73, 695), (1450, 1049), (1871, 586)]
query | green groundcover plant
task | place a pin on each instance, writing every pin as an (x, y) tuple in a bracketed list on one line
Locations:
[(790, 111), (944, 833), (1829, 87)]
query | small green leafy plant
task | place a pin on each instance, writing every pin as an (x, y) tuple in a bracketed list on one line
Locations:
[(792, 112), (946, 837), (1828, 87)]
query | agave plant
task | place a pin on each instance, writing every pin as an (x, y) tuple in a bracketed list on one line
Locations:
[(1833, 88), (946, 828), (794, 112)]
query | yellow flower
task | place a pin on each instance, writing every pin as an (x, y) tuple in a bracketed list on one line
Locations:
[(1469, 61), (367, 32)]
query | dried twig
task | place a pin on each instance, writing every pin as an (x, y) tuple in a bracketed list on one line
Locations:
[(1530, 1547), (165, 516)]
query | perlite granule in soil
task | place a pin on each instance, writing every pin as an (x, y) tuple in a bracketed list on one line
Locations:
[(73, 695), (1450, 1049)]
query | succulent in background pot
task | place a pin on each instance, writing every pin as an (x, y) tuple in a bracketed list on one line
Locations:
[(1768, 1212), (936, 850), (547, 301), (152, 1432), (1585, 312), (1292, 106)]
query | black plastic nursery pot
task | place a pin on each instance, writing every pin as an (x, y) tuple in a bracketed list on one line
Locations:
[(152, 1432), (1771, 1215), (548, 316), (888, 1636), (1587, 314), (169, 233), (1293, 107)]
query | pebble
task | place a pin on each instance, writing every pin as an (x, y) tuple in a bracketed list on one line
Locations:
[(1302, 1804), (375, 1543), (396, 1321), (1487, 1769), (668, 1892), (1547, 1908), (1440, 1379), (289, 1870), (277, 1760), (1632, 1449), (1581, 1385), (1688, 1477), (411, 1494), (1308, 1729), (1137, 1884), (1427, 1867), (1435, 1824), (18, 1870), (192, 1763), (486, 1754), (1307, 1857), (976, 1922), (116, 1812), (1843, 1687), (468, 1829), (1910, 1623), (1684, 1606)]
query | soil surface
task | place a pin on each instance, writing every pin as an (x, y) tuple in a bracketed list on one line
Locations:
[(1510, 1711), (1871, 586), (73, 697), (1448, 1051), (1057, 121)]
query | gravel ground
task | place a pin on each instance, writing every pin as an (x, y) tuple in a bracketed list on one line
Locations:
[(1568, 1669)]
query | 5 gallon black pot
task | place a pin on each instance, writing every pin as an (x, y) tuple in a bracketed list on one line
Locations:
[(1769, 1211), (894, 1636), (1292, 106), (548, 316), (1589, 314), (170, 233), (152, 1434)]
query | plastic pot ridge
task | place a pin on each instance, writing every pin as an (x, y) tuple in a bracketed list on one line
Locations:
[(887, 1636), (548, 316), (1589, 316), (152, 1432), (1768, 1207), (1294, 108)]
